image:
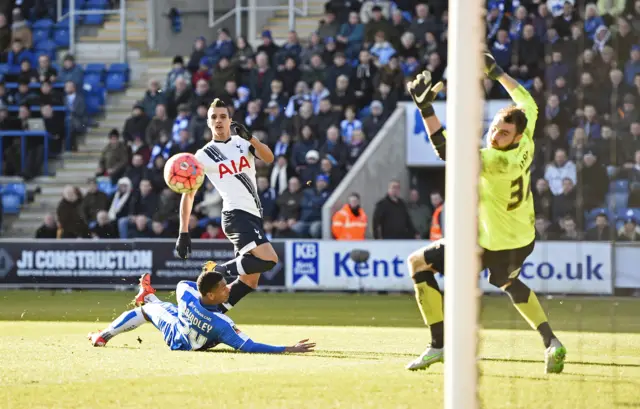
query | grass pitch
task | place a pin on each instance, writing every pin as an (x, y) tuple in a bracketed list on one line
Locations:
[(364, 341)]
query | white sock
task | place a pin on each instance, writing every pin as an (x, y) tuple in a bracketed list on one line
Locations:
[(149, 298), (127, 321)]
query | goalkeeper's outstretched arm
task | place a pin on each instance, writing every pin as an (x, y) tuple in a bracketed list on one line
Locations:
[(437, 134)]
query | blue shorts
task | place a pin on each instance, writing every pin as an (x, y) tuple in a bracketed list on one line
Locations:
[(164, 316)]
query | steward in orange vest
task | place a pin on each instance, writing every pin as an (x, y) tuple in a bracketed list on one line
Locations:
[(350, 222), (436, 224)]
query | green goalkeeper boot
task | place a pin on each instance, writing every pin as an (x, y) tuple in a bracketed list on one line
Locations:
[(554, 357)]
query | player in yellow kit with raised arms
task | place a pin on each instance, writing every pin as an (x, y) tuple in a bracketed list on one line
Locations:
[(506, 230)]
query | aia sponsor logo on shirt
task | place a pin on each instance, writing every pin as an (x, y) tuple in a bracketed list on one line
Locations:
[(233, 167)]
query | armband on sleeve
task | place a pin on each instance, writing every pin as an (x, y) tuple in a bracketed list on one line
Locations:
[(439, 142)]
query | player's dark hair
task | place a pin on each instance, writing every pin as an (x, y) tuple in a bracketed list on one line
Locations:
[(207, 281), (218, 103), (516, 116)]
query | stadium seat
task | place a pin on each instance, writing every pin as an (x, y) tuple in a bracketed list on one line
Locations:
[(61, 36), (618, 186), (95, 19), (617, 200), (16, 188), (95, 98), (94, 74), (41, 30), (47, 47), (117, 77), (95, 67), (10, 203)]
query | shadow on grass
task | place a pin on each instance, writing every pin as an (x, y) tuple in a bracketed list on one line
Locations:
[(569, 362), (359, 355)]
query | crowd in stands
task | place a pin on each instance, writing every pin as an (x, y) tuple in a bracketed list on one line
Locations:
[(319, 102)]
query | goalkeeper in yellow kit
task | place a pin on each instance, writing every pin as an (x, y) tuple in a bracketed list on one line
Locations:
[(506, 217)]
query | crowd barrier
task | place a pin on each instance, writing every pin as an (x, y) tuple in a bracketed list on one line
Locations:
[(552, 268)]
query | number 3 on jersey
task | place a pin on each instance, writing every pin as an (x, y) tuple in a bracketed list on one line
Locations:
[(518, 189)]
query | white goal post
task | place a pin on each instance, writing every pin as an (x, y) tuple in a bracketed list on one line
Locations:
[(465, 112)]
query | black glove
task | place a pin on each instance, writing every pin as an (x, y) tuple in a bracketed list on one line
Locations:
[(491, 68), (241, 131), (423, 92), (183, 246)]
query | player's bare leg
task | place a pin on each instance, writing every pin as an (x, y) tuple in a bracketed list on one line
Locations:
[(527, 304), (422, 267), (247, 267)]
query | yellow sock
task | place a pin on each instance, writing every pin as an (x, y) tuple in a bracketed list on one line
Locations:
[(430, 303), (532, 311)]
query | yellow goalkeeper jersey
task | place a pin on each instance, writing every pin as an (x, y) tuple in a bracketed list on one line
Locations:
[(506, 216)]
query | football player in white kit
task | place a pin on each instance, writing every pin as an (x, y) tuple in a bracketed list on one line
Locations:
[(228, 162)]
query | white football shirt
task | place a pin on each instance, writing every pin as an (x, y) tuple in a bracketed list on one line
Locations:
[(230, 166)]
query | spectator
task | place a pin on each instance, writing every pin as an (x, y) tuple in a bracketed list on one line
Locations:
[(211, 204), (542, 228), (624, 39), (75, 103), (391, 218), (222, 48), (24, 96), (528, 54), (290, 49), (296, 100), (301, 148), (5, 33), (569, 229), (181, 122), (335, 148), (376, 24), (202, 95), (136, 124), (388, 99), (326, 117), (156, 174), (261, 76), (114, 157), (316, 70), (562, 22), (161, 149), (342, 96), (139, 147), (629, 230), (351, 35), (70, 71), (48, 229), (382, 50), (103, 228), (501, 49), (419, 213), (558, 170), (48, 95), (18, 53), (177, 71), (275, 93), (141, 229), (564, 204), (349, 124), (137, 170), (144, 202), (198, 123), (45, 72), (372, 124), (27, 73), (268, 47), (290, 201), (197, 54), (273, 123), (224, 72), (593, 181), (355, 148), (311, 169), (557, 68), (70, 221), (592, 20), (20, 29), (283, 229), (159, 231), (152, 97), (178, 96), (280, 174), (601, 231), (328, 27), (119, 206), (333, 174), (159, 124), (310, 223), (632, 66), (243, 54), (94, 201), (255, 118), (365, 75), (350, 222), (213, 231), (56, 130), (267, 198)]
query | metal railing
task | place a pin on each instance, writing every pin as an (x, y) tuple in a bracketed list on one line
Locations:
[(124, 17), (252, 8)]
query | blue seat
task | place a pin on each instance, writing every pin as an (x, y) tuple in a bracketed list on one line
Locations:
[(94, 19), (623, 214), (121, 68), (618, 186), (95, 67), (16, 188), (617, 200), (10, 203), (96, 4), (41, 30), (115, 82), (92, 79), (61, 36), (94, 97), (47, 47)]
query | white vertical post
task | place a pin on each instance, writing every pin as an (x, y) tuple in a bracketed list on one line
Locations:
[(151, 24), (123, 31), (58, 10), (292, 14), (252, 31), (238, 18), (212, 17), (464, 112), (72, 27)]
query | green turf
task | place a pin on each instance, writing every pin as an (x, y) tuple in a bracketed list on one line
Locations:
[(364, 341)]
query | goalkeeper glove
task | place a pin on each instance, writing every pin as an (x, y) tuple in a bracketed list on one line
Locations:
[(491, 67), (424, 93), (241, 131), (183, 246)]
